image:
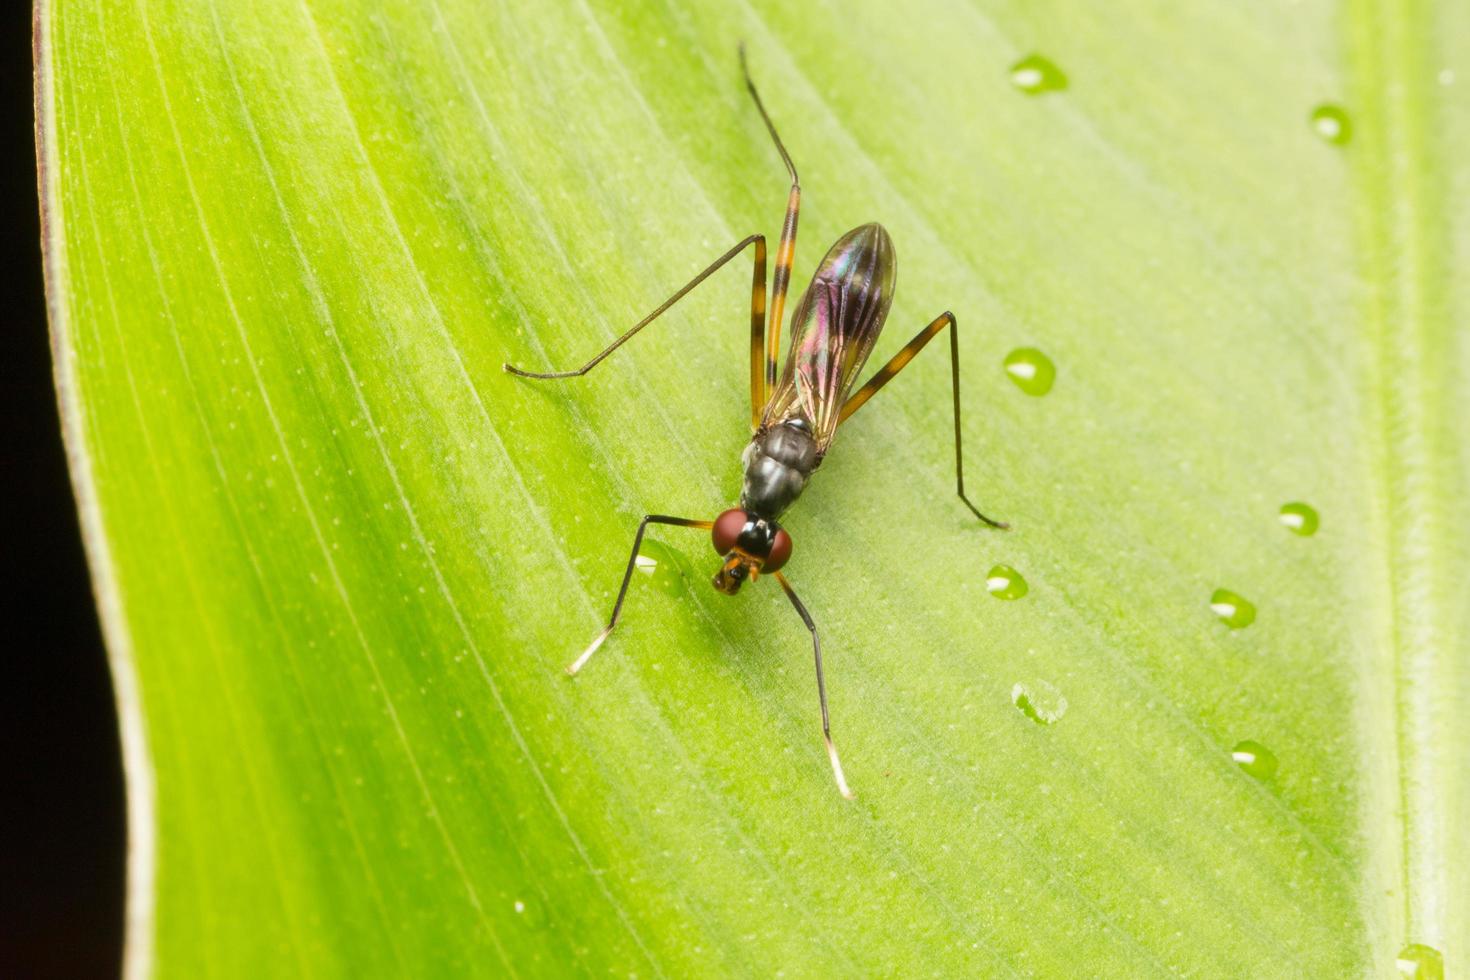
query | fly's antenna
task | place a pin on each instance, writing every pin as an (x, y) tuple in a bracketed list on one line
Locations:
[(770, 126)]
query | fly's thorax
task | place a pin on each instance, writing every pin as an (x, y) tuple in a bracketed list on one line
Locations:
[(778, 463)]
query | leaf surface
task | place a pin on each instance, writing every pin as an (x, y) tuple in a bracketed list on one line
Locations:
[(342, 557)]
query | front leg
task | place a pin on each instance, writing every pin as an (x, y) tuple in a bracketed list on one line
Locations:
[(811, 626), (581, 661)]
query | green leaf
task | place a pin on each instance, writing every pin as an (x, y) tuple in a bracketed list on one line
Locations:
[(342, 557)]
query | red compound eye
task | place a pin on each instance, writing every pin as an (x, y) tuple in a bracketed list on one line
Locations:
[(780, 553), (727, 529)]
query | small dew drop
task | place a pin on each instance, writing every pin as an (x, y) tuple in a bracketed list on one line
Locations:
[(1039, 701), (662, 567), (1420, 962), (1234, 611), (1299, 518), (1034, 75), (1254, 759), (1031, 370), (520, 906), (1004, 582), (1332, 124)]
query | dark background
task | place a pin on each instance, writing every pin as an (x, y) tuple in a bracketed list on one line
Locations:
[(62, 839)]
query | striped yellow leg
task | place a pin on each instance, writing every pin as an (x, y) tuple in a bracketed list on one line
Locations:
[(896, 364), (757, 326), (786, 249)]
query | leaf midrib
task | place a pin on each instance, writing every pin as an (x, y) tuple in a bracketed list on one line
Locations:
[(1390, 155)]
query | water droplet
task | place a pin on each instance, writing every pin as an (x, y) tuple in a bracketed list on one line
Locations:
[(520, 906), (1039, 701), (1004, 582), (1234, 611), (1299, 518), (1031, 370), (663, 567), (1255, 759), (1420, 962), (1332, 124), (1034, 75)]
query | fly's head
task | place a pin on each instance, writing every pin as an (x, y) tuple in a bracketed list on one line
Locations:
[(749, 545)]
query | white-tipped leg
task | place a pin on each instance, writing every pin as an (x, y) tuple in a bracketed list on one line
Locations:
[(581, 661), (811, 626), (842, 786)]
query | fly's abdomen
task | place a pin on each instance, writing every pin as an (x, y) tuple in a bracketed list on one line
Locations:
[(833, 329), (778, 463)]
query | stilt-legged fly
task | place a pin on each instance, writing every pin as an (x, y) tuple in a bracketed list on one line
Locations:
[(795, 416)]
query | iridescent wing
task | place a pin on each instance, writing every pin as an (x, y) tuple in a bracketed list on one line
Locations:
[(833, 330)]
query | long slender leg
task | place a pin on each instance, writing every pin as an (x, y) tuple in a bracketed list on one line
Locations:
[(581, 661), (806, 617), (786, 250), (757, 326), (885, 374)]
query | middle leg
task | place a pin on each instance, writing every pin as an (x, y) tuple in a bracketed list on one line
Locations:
[(757, 327), (885, 374)]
